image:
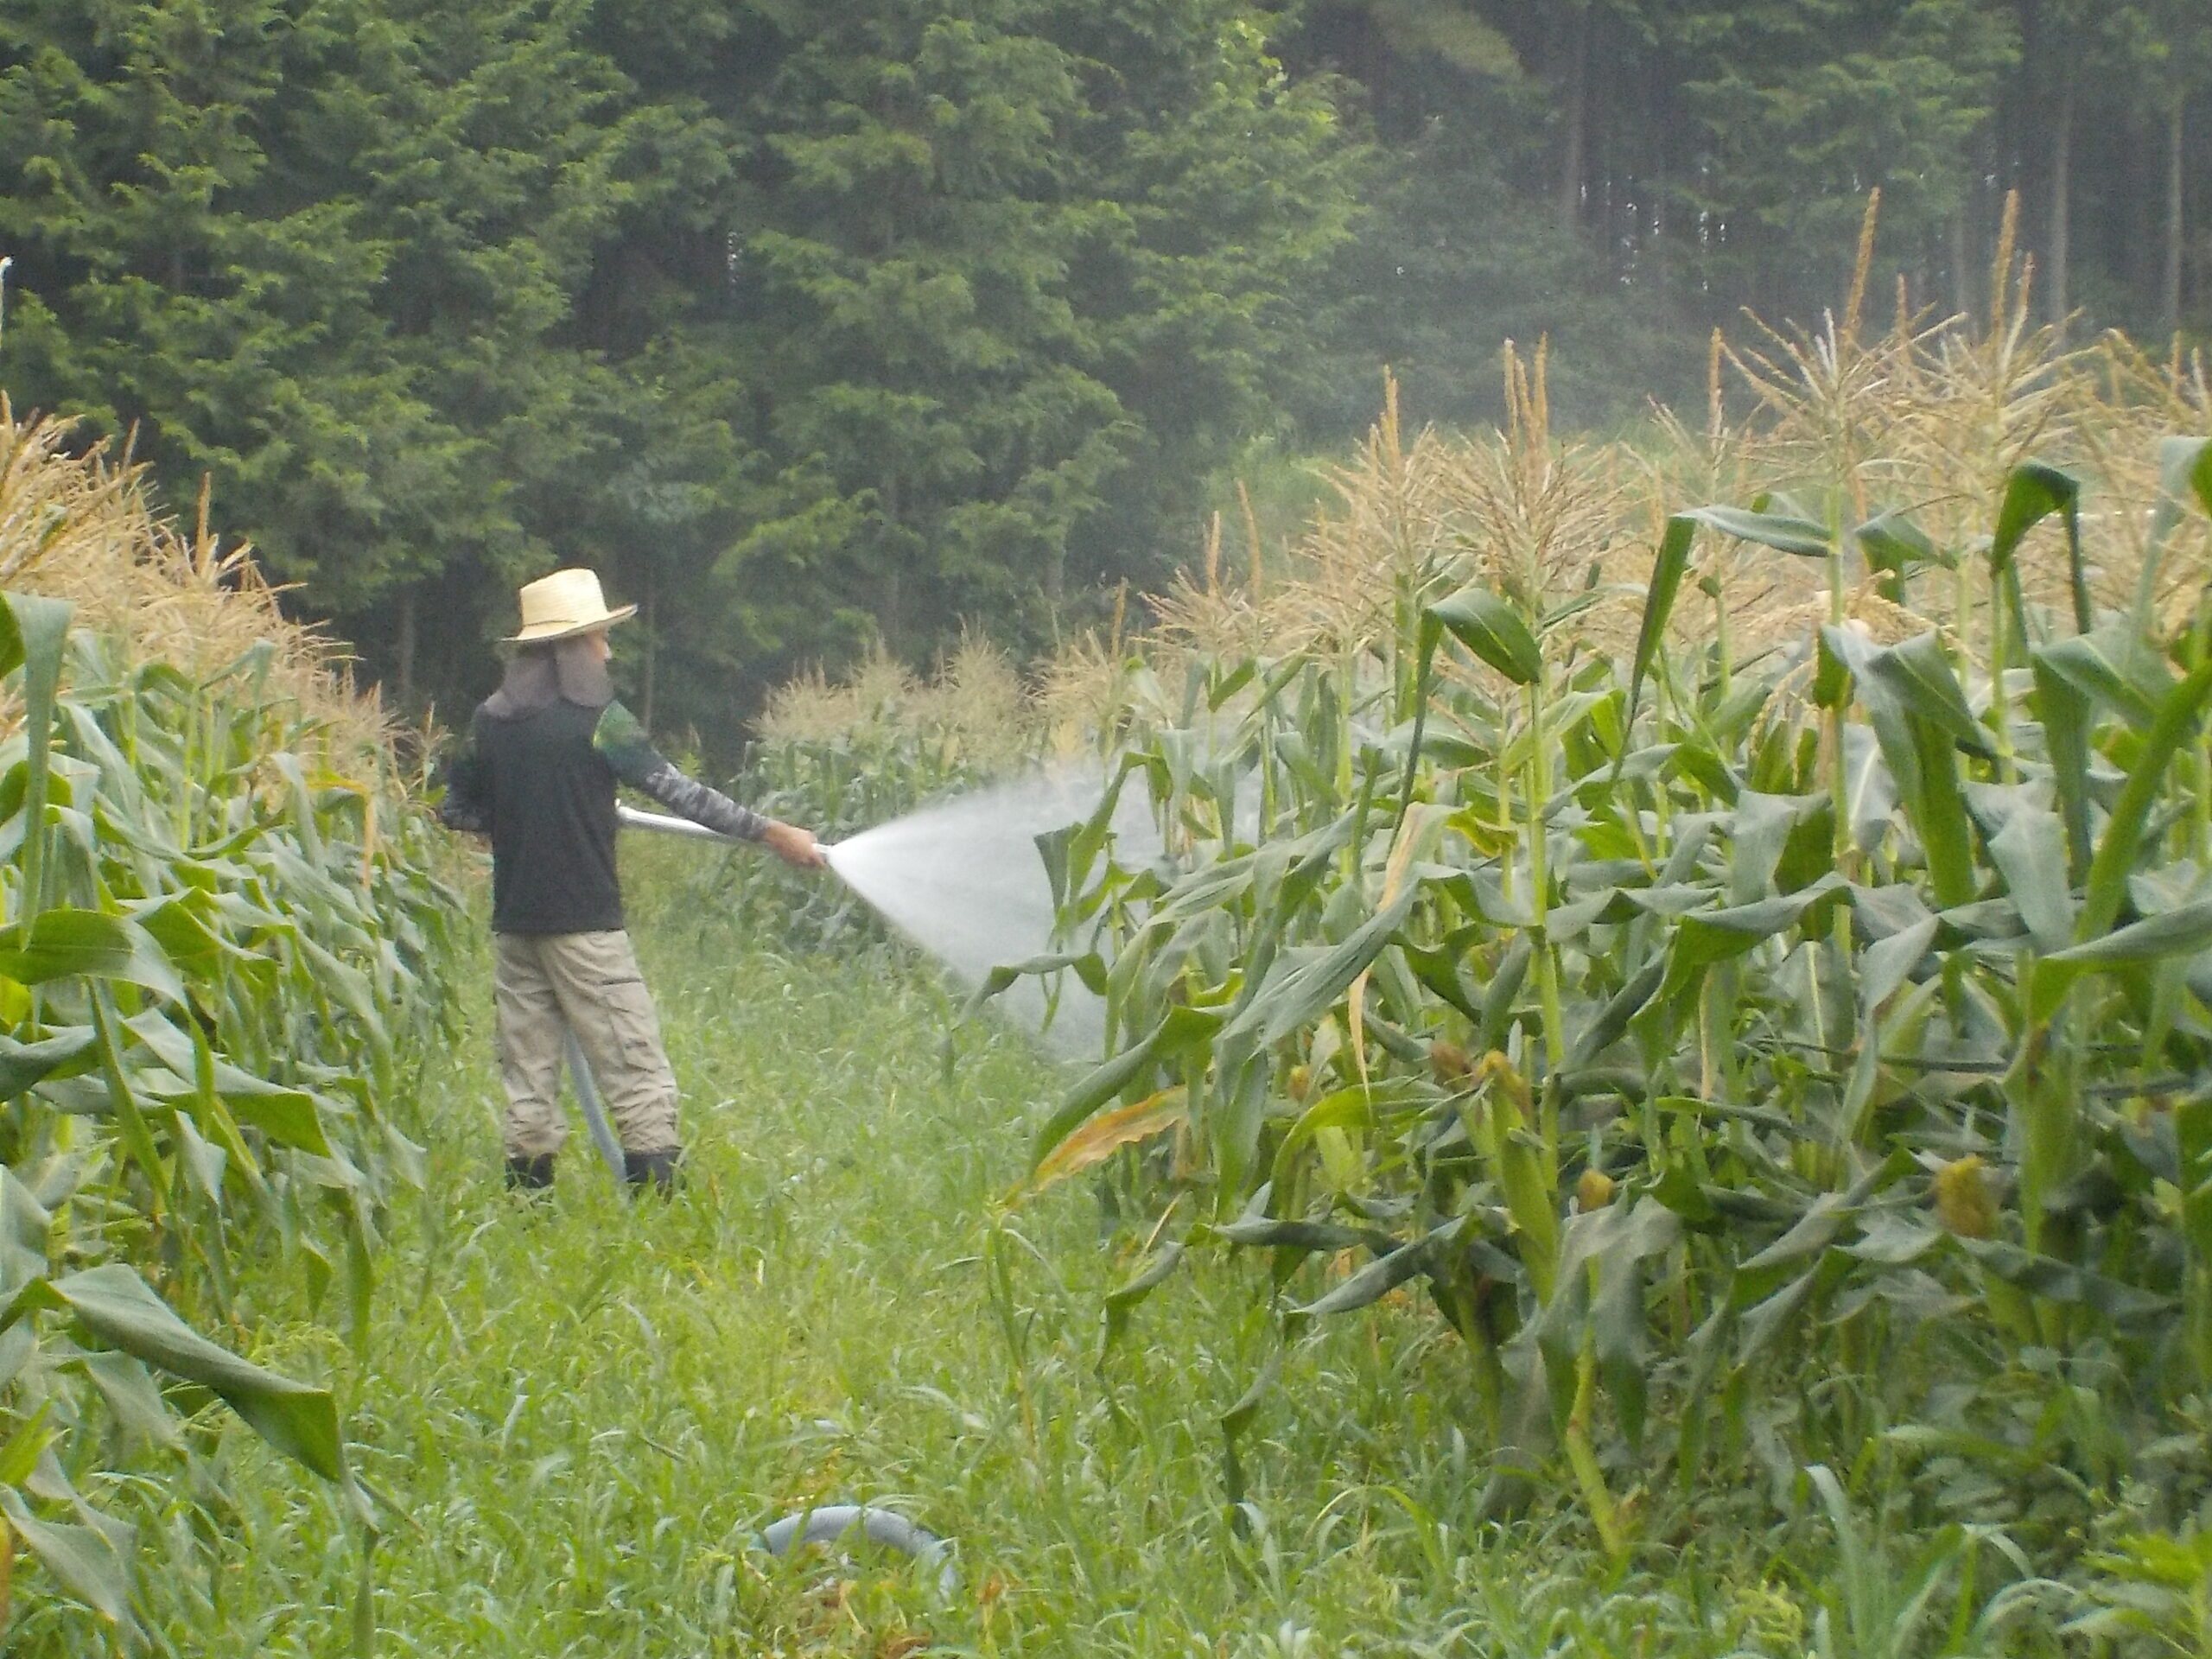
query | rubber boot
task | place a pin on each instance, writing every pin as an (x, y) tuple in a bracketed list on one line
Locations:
[(654, 1170), (531, 1175)]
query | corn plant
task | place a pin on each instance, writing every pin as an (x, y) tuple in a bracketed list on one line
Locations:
[(218, 955), (1733, 1050)]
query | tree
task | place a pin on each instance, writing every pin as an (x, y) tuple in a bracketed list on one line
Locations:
[(323, 253), (177, 279), (999, 284), (2165, 46), (812, 325), (1465, 245), (1807, 106)]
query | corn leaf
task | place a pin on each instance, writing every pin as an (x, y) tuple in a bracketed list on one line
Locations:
[(1307, 987), (1784, 533), (2062, 1281), (1100, 1136), (1380, 1277), (34, 636), (1920, 674), (1487, 624), (1121, 1302), (65, 942), (2113, 668), (2115, 857), (2032, 492), (1179, 1030), (1667, 572), (290, 1117), (1264, 1232), (1703, 937), (2182, 932), (299, 1420), (61, 1051), (83, 1560), (1892, 543)]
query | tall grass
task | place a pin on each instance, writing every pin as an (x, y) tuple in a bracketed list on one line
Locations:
[(589, 1411)]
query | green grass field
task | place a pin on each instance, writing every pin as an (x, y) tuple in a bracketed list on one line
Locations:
[(583, 1412)]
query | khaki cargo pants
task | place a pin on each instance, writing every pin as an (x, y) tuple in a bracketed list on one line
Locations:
[(589, 981)]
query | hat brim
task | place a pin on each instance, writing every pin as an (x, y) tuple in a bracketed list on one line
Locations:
[(545, 633)]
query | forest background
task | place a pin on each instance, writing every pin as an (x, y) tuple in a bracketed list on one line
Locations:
[(819, 326)]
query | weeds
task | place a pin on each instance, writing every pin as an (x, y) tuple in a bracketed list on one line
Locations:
[(587, 1411)]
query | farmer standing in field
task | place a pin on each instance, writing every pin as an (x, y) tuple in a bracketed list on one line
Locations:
[(545, 752)]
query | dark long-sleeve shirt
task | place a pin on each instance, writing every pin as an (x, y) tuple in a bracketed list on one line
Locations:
[(542, 785)]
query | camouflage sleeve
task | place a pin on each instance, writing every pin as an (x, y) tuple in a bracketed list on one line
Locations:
[(467, 806), (626, 749)]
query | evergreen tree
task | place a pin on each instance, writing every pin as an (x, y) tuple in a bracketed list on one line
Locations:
[(993, 288), (325, 253), (810, 325), (1465, 248), (1808, 106)]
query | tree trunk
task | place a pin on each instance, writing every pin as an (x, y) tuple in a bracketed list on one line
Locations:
[(1572, 164), (403, 669), (653, 642), (2062, 192), (2170, 292), (889, 618), (1961, 276)]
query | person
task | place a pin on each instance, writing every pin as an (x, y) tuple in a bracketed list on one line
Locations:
[(538, 775)]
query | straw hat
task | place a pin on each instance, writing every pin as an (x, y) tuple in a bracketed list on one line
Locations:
[(566, 603)]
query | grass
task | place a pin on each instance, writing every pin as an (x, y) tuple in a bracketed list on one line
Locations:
[(582, 1413)]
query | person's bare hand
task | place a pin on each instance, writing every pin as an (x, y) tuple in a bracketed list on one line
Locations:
[(795, 845)]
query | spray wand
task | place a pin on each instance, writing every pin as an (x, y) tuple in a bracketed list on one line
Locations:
[(631, 818), (661, 823)]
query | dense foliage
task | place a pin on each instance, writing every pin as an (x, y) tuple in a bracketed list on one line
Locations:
[(1716, 155), (1758, 991), (804, 324), (813, 324)]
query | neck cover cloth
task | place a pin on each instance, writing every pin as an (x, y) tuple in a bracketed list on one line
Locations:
[(536, 674)]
